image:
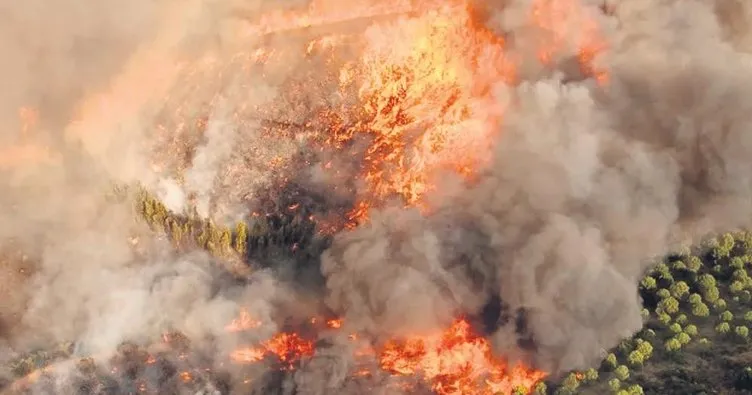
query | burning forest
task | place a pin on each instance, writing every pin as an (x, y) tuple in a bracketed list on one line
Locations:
[(447, 197)]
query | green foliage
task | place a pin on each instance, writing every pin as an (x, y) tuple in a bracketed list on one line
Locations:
[(711, 294), (748, 316), (695, 298), (691, 330), (723, 328), (679, 289), (719, 305), (540, 388), (645, 348), (694, 264), (635, 358), (681, 319), (726, 316), (663, 293), (520, 390), (679, 265), (669, 305), (706, 281), (648, 283), (672, 345), (683, 338), (614, 384), (635, 389), (664, 318), (610, 361), (700, 310), (742, 331), (570, 383), (675, 328), (621, 372), (591, 375)]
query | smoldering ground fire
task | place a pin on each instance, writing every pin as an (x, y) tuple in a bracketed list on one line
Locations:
[(479, 187)]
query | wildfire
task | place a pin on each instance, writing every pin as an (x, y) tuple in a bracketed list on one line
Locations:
[(453, 362)]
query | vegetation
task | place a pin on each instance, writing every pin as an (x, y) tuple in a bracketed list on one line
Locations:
[(697, 306), (696, 336)]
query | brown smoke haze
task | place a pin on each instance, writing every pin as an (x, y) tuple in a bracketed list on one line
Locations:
[(585, 183)]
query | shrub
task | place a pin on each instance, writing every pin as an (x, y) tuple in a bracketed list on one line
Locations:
[(664, 318), (675, 328), (719, 304), (679, 265), (695, 298), (741, 331), (736, 287), (723, 328), (681, 319), (645, 348), (663, 293)]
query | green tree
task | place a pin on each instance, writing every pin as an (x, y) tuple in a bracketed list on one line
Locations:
[(706, 281), (669, 305), (742, 332), (635, 389), (694, 264), (645, 348), (736, 287), (679, 265), (614, 384), (240, 242), (591, 375), (691, 330), (664, 318), (679, 289), (635, 358), (571, 383), (648, 283), (519, 390), (540, 388), (711, 294), (695, 299), (621, 372), (645, 313), (748, 316), (672, 345), (663, 293), (681, 319), (726, 316), (675, 328), (720, 305), (700, 310), (610, 361), (683, 338), (723, 328)]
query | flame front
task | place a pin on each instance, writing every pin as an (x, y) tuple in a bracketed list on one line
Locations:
[(453, 362)]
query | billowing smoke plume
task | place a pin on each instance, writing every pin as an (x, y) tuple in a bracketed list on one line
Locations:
[(587, 182)]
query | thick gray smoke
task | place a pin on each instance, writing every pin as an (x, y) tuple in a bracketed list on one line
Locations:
[(586, 185)]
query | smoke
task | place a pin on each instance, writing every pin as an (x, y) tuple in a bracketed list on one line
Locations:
[(586, 185)]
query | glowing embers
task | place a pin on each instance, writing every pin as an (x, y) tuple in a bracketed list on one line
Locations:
[(454, 361)]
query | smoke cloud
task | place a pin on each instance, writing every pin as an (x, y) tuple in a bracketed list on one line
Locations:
[(586, 184)]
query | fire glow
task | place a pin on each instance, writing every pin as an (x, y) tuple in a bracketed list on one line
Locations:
[(454, 361)]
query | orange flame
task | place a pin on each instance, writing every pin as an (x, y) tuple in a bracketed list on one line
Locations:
[(455, 361)]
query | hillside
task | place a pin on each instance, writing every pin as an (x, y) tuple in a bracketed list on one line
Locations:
[(697, 305)]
